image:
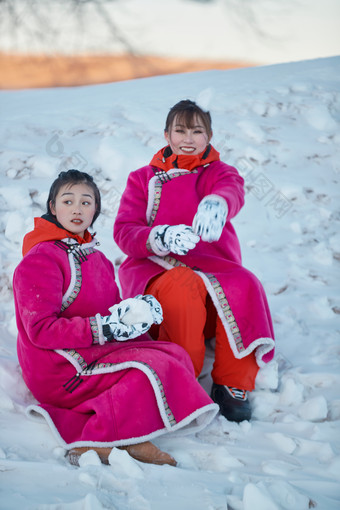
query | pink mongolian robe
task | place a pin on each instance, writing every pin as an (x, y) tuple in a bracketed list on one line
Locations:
[(114, 394), (153, 197)]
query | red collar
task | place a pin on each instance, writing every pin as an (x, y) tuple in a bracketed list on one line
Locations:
[(165, 159), (45, 230)]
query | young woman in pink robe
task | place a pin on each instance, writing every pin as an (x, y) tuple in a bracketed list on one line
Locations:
[(174, 225), (100, 382)]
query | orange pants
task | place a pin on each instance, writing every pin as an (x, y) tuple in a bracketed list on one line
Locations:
[(189, 318)]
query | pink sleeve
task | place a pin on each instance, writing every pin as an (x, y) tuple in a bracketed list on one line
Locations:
[(225, 181), (37, 286), (131, 230)]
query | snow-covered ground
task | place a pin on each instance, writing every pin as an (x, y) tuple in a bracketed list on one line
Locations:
[(279, 125), (258, 31)]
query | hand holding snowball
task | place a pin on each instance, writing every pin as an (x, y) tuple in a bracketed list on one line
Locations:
[(131, 318), (178, 239)]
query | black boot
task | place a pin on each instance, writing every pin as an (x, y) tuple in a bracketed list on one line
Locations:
[(234, 403)]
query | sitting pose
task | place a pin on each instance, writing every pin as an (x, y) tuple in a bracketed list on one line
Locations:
[(174, 225), (100, 380)]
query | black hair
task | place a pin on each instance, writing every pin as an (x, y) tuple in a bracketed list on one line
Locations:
[(186, 111), (72, 177)]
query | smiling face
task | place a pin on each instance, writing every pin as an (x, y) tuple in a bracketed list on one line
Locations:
[(74, 207), (189, 140)]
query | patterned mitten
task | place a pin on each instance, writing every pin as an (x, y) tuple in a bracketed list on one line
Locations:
[(178, 239), (210, 218), (115, 327)]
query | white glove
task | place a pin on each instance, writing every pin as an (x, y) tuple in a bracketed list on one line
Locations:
[(178, 239), (131, 318), (210, 218)]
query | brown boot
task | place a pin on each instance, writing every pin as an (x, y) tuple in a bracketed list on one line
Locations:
[(149, 453), (74, 454)]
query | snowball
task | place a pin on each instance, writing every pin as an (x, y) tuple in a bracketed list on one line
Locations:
[(122, 463), (314, 409), (89, 458), (140, 311), (268, 376), (264, 404)]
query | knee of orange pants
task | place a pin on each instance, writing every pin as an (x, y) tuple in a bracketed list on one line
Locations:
[(183, 295)]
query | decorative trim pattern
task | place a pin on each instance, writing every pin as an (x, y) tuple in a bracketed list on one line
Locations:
[(75, 358), (192, 424), (221, 298), (75, 283), (167, 409), (228, 314), (84, 369), (95, 330), (76, 256)]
